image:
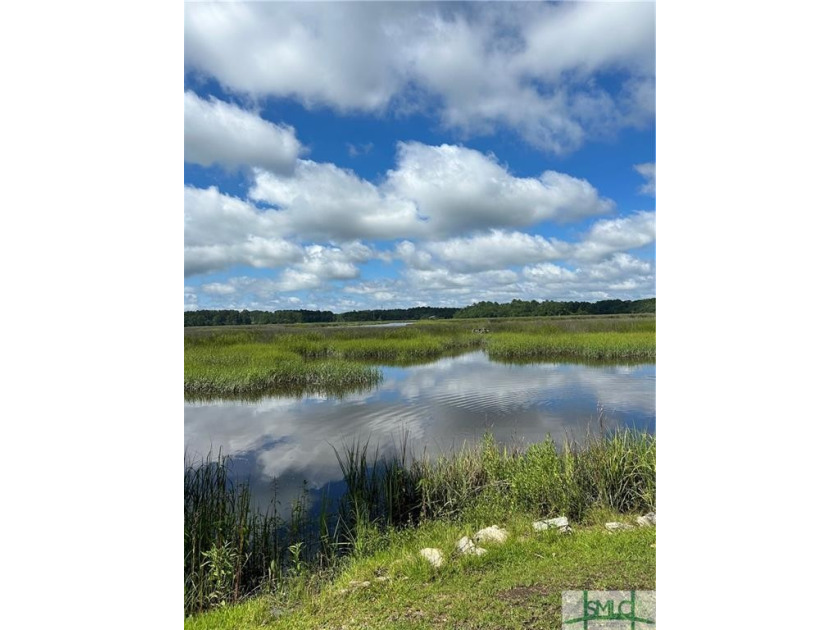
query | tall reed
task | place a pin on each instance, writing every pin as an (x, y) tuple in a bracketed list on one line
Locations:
[(232, 550)]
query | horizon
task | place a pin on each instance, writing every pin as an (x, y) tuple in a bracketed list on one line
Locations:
[(418, 306)]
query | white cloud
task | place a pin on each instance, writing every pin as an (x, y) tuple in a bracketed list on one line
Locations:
[(324, 201), (216, 132), (312, 267), (434, 191), (221, 231), (616, 235), (556, 74), (218, 288), (498, 249), (457, 189), (335, 56), (619, 277), (648, 171)]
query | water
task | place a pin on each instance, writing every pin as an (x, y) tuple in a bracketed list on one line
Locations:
[(440, 405)]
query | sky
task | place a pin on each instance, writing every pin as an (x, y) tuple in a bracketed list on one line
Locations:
[(347, 156)]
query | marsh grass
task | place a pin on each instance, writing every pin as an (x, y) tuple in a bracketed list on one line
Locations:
[(336, 360), (615, 471), (232, 550), (328, 361)]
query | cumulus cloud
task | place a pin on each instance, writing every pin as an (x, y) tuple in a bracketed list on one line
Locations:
[(322, 264), (312, 267), (648, 171), (556, 74), (324, 201), (621, 276), (221, 231), (433, 191), (498, 249), (335, 57), (615, 235), (216, 132), (456, 188)]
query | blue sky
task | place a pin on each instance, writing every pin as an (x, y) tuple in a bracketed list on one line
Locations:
[(343, 156)]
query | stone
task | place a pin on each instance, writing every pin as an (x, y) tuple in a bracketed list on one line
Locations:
[(434, 556), (561, 523), (491, 534), (617, 526), (647, 520), (467, 547), (359, 584)]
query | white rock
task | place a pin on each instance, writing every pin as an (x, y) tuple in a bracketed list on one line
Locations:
[(434, 556), (468, 548), (617, 526), (561, 523), (647, 519), (491, 534)]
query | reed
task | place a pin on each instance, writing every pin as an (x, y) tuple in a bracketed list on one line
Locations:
[(232, 550), (616, 471)]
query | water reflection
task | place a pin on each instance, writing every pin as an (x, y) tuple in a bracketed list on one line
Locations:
[(440, 405)]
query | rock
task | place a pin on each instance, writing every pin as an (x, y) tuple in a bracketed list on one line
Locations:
[(382, 578), (561, 523), (491, 534), (434, 556), (647, 520), (357, 583), (617, 526), (468, 548)]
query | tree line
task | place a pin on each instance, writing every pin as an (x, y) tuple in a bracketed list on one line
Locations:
[(516, 308)]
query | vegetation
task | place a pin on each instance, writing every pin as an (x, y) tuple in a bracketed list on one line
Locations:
[(516, 308), (391, 506), (515, 585), (254, 361), (260, 361)]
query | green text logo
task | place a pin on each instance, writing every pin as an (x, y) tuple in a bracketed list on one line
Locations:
[(609, 610)]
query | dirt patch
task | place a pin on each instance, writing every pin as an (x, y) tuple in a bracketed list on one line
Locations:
[(523, 593)]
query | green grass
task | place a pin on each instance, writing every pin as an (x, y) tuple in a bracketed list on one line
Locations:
[(232, 551), (254, 361), (517, 584)]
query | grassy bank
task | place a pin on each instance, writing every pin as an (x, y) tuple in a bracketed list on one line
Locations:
[(232, 552), (515, 585), (286, 359)]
